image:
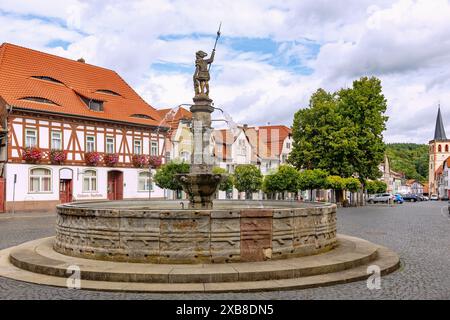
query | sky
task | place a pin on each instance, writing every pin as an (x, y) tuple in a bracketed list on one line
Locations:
[(271, 57)]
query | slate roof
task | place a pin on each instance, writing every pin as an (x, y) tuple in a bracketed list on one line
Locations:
[(439, 131)]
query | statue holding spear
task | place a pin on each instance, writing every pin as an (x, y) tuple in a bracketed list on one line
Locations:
[(202, 67)]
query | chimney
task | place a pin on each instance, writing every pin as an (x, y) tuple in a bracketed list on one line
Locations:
[(81, 60), (245, 126)]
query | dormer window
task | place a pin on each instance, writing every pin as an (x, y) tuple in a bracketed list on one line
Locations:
[(142, 116), (40, 100), (106, 91), (46, 78), (94, 105)]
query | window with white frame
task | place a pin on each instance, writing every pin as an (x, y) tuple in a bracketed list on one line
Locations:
[(56, 142), (154, 148), (40, 180), (90, 181), (144, 181), (90, 143), (110, 145), (30, 138), (288, 145), (137, 146)]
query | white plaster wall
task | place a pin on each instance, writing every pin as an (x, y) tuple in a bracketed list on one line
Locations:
[(43, 137), (130, 178)]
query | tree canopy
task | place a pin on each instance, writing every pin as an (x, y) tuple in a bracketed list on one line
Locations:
[(375, 186), (341, 132), (286, 178), (410, 159), (227, 184), (247, 178), (165, 175), (312, 179)]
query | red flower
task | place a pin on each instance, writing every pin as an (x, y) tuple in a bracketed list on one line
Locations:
[(111, 159), (155, 161), (139, 160), (92, 158), (32, 154), (58, 156)]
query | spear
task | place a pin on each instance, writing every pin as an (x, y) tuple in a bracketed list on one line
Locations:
[(215, 43)]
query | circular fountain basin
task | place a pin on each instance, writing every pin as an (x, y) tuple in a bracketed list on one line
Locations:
[(164, 232)]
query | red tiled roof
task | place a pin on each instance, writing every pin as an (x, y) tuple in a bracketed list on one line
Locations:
[(18, 65), (172, 119), (268, 139)]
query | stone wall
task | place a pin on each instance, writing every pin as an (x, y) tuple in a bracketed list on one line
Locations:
[(139, 234)]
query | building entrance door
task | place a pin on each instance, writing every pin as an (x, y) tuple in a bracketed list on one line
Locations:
[(115, 185), (65, 190)]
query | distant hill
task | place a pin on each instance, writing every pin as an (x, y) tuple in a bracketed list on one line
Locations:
[(409, 158)]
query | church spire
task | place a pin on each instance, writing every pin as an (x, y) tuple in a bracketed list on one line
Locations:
[(439, 131)]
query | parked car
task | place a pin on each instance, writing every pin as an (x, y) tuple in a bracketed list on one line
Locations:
[(382, 197), (434, 197), (398, 199), (422, 197), (410, 197)]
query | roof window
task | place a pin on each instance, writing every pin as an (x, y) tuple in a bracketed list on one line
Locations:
[(40, 100), (106, 91), (46, 78), (142, 116), (94, 105)]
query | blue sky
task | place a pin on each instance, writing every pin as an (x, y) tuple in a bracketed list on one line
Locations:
[(271, 57)]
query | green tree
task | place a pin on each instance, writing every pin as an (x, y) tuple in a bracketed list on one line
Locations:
[(227, 183), (342, 132), (352, 184), (322, 137), (364, 105), (165, 175), (247, 178), (381, 187), (312, 179), (371, 187), (285, 179)]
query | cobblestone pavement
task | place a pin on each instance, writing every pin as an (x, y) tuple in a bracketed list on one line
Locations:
[(418, 232)]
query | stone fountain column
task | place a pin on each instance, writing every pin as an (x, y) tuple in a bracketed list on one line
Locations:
[(200, 184)]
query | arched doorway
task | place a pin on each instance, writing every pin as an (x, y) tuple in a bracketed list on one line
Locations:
[(65, 185), (115, 185)]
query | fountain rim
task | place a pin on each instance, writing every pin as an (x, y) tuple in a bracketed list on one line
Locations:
[(233, 205)]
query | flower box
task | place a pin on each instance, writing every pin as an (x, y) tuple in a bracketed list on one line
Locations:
[(57, 156), (111, 159), (155, 161), (32, 155), (92, 158), (139, 160)]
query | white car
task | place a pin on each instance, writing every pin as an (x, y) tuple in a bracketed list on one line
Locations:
[(382, 197), (434, 197)]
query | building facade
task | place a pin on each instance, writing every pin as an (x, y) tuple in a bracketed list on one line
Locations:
[(73, 131), (439, 150)]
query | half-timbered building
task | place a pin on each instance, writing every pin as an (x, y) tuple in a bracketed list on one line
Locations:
[(72, 131)]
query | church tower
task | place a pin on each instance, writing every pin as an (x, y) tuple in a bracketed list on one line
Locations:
[(438, 152)]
